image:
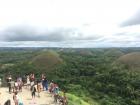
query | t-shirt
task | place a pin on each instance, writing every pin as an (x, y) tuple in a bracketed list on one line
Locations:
[(16, 84), (33, 89), (32, 83), (12, 83), (56, 90), (9, 79), (19, 100), (28, 81)]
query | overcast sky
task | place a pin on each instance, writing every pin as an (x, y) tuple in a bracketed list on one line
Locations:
[(70, 23)]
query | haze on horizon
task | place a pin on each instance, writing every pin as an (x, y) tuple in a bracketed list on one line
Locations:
[(69, 23)]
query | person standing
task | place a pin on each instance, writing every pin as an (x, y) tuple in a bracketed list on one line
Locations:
[(9, 79), (38, 87), (9, 86), (51, 87), (56, 92), (16, 86), (33, 91), (12, 84), (17, 99), (28, 82), (46, 84), (20, 83), (42, 79), (0, 82)]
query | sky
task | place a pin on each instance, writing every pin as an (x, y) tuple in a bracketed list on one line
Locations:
[(70, 23)]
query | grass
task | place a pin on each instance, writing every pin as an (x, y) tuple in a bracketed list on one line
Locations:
[(74, 100)]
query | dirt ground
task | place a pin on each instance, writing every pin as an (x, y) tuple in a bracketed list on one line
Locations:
[(44, 99)]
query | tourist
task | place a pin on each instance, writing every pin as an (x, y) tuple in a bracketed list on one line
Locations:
[(33, 91), (51, 87), (17, 99), (42, 79), (45, 84), (56, 92), (28, 82), (9, 79), (12, 84), (0, 82), (38, 87), (9, 86), (8, 102), (16, 86)]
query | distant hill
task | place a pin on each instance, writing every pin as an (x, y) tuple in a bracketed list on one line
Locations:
[(47, 60), (113, 52), (132, 60), (85, 52)]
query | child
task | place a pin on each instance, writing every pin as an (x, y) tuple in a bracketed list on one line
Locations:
[(33, 91), (56, 92), (17, 99), (38, 87)]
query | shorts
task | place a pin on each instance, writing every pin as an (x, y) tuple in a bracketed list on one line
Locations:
[(33, 93)]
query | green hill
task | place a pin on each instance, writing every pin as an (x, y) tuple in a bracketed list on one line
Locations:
[(113, 52), (88, 76), (84, 52)]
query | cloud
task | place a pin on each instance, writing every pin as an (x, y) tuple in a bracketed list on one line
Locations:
[(135, 20), (23, 33), (29, 33), (89, 36)]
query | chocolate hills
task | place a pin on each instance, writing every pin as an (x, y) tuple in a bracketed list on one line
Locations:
[(47, 60), (132, 60)]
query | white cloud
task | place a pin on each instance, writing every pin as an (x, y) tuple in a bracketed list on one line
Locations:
[(89, 22), (65, 12)]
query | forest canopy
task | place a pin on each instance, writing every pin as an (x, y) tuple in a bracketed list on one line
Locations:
[(107, 76)]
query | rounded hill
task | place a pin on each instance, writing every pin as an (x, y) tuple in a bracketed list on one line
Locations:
[(113, 52), (47, 60), (132, 60)]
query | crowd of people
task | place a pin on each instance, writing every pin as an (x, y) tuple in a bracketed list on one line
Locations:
[(35, 86)]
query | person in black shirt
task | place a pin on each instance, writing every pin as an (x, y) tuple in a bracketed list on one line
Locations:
[(33, 91)]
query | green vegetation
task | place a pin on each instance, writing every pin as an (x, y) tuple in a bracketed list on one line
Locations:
[(89, 76), (74, 100)]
